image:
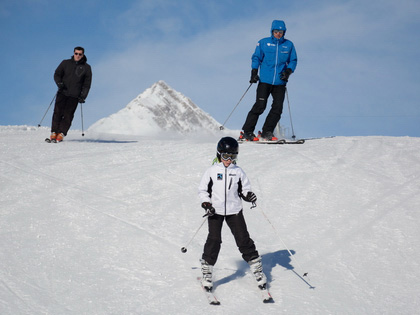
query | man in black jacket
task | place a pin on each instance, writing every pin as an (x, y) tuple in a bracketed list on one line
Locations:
[(73, 77)]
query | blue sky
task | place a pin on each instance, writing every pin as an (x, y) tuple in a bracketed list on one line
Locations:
[(358, 67)]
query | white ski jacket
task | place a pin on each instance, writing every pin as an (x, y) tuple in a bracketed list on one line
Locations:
[(222, 186)]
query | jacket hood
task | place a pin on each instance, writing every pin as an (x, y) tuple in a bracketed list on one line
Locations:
[(278, 25)]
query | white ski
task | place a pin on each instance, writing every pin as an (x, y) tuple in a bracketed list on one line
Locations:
[(209, 294), (265, 294)]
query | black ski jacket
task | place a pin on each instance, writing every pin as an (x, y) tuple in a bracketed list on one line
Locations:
[(76, 77)]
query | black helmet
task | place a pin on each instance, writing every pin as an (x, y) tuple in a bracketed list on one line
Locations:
[(229, 146)]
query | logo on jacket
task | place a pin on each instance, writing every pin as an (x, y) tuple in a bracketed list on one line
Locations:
[(270, 44), (219, 176)]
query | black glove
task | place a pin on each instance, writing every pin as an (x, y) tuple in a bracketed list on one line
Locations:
[(208, 207), (285, 74), (254, 76), (81, 100), (60, 86), (250, 197)]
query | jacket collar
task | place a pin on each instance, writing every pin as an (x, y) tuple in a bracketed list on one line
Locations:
[(81, 61)]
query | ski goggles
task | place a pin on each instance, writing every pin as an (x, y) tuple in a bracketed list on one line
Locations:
[(228, 156)]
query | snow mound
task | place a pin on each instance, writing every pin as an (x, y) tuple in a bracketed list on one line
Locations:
[(159, 110)]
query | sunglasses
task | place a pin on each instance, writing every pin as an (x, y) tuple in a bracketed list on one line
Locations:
[(228, 156), (78, 54)]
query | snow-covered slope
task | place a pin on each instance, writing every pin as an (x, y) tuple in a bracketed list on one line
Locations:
[(95, 226), (159, 110)]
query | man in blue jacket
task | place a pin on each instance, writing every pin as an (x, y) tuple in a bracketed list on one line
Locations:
[(276, 58)]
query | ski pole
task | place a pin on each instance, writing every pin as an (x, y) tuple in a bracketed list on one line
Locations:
[(290, 114), (290, 253), (55, 95), (184, 249), (223, 126), (81, 113)]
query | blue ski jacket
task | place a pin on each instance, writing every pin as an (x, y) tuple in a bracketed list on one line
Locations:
[(274, 55)]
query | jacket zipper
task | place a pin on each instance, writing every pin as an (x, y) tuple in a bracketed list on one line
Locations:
[(277, 58), (225, 191)]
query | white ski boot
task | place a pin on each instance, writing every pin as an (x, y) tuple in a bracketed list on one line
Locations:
[(256, 268), (207, 270)]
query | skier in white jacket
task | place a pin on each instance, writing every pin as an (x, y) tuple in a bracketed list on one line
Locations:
[(221, 190)]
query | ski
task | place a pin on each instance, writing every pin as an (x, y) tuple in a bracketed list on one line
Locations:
[(48, 140), (299, 141), (209, 294), (265, 294), (281, 141)]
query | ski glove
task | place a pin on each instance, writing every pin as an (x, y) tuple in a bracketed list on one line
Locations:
[(254, 76), (60, 86), (250, 197), (208, 207), (285, 74)]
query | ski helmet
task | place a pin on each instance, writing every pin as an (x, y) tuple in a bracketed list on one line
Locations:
[(228, 146)]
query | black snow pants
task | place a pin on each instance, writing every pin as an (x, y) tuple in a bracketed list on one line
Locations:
[(263, 92), (239, 230), (64, 109)]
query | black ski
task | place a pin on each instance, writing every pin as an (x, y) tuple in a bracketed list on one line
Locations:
[(209, 294), (281, 141), (48, 140)]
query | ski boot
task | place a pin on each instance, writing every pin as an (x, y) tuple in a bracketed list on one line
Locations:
[(267, 136), (256, 268), (52, 137), (247, 136), (60, 137), (207, 270)]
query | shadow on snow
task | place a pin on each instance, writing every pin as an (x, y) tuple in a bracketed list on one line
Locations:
[(270, 260)]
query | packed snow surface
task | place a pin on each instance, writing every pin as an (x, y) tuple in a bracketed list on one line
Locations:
[(94, 225)]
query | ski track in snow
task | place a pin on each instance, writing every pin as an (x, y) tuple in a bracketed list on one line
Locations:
[(95, 226)]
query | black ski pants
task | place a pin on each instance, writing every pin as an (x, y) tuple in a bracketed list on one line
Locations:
[(263, 92), (239, 230), (64, 109)]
